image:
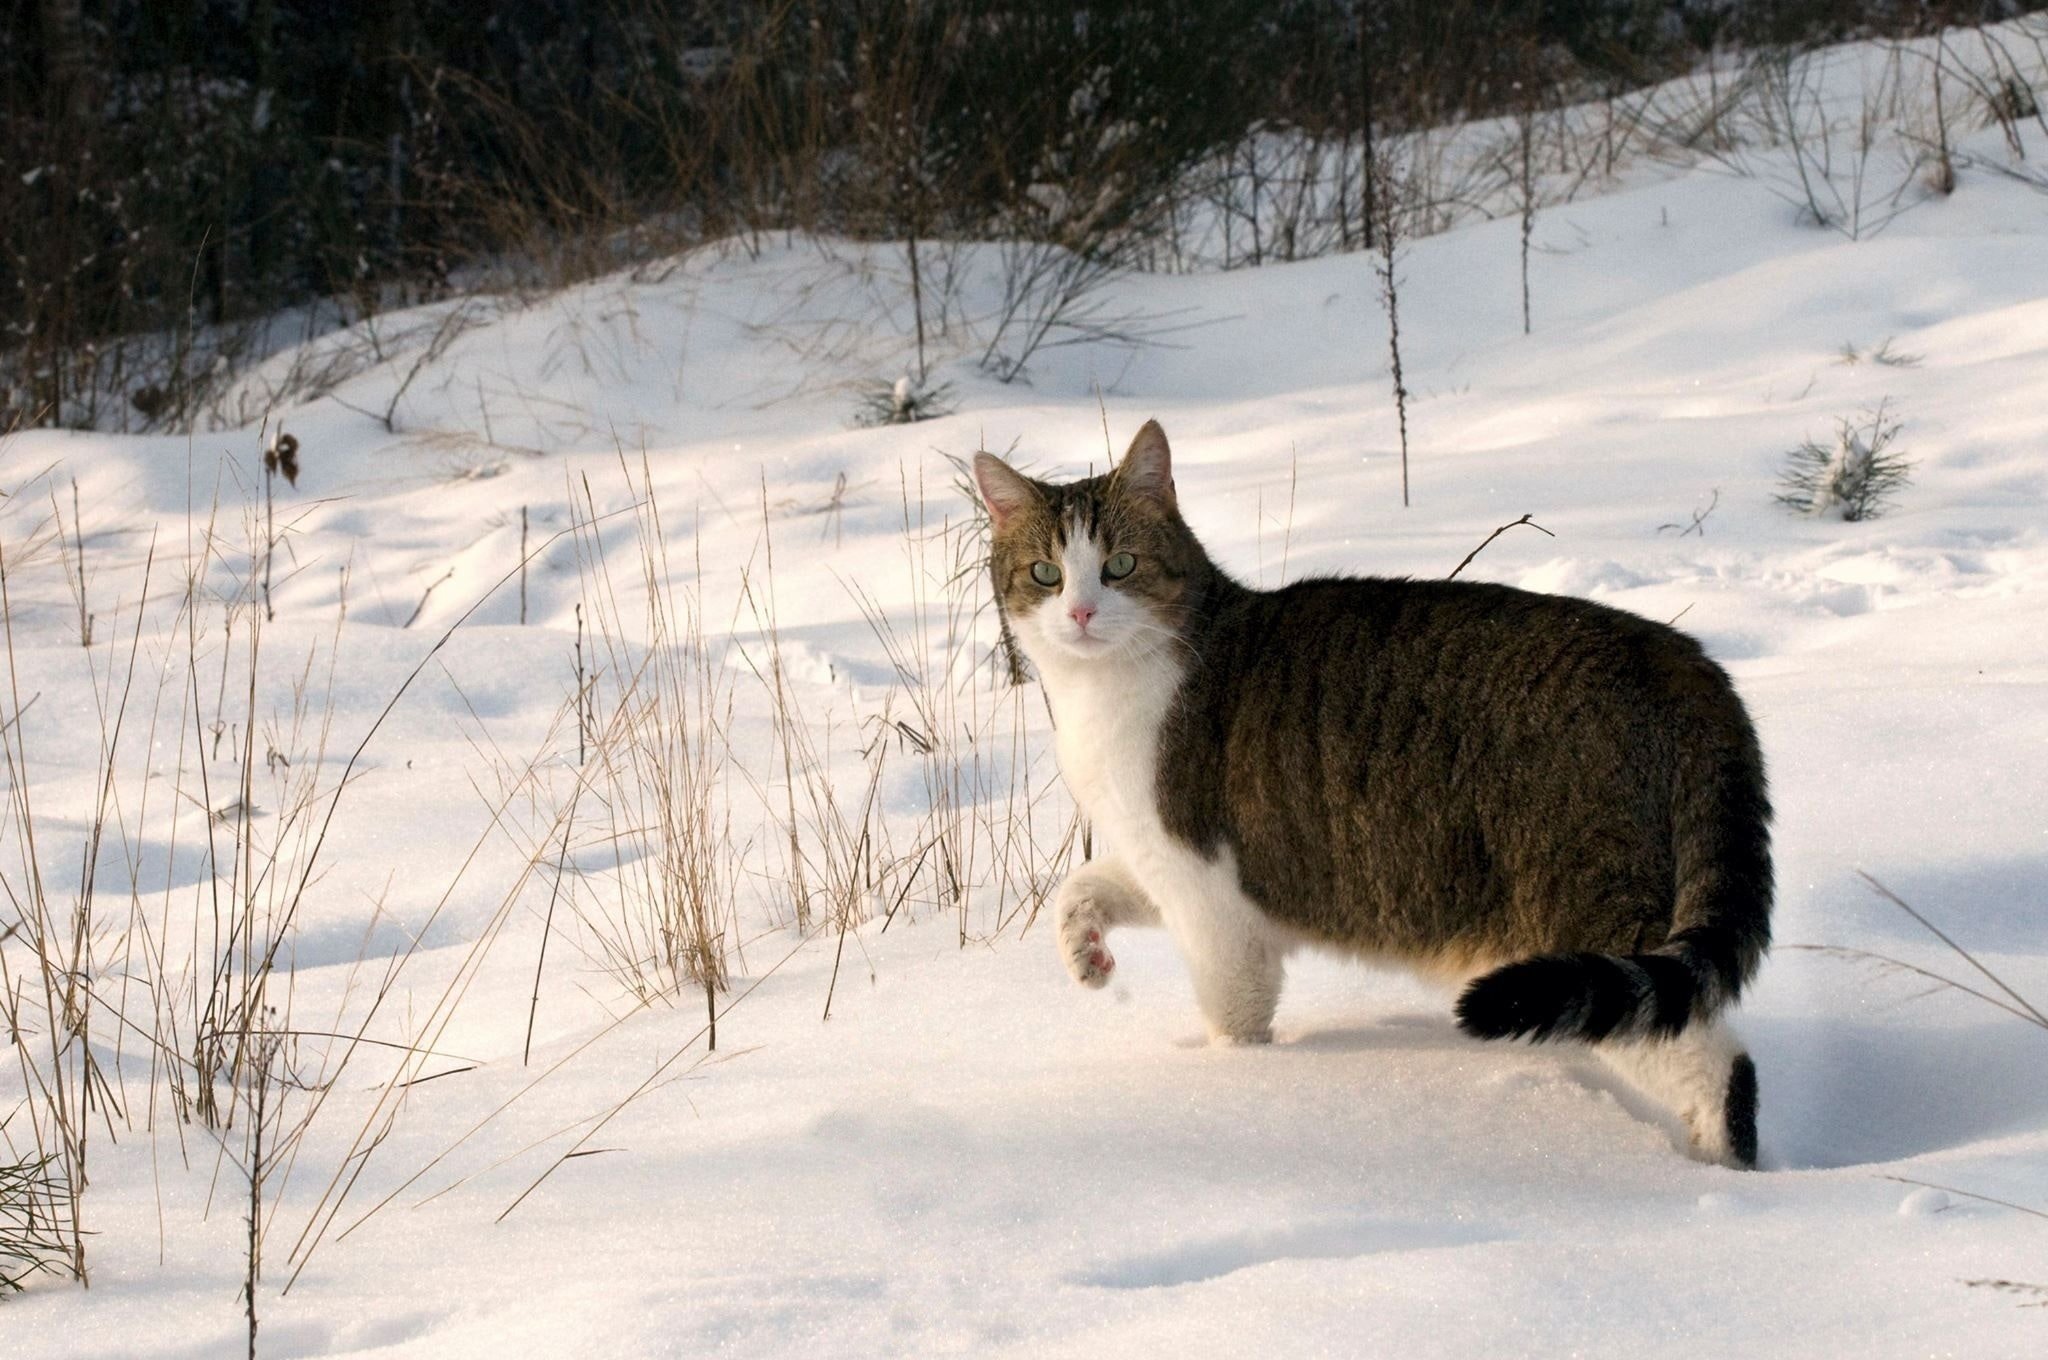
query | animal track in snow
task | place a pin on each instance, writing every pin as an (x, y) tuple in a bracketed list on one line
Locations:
[(1319, 1240)]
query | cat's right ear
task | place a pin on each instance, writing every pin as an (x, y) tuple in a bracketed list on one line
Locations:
[(1004, 490)]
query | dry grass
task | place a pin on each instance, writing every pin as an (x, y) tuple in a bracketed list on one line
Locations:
[(1992, 989), (51, 1010), (33, 1239), (659, 765)]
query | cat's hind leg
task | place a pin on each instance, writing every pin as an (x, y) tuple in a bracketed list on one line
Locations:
[(1703, 1076), (1098, 895)]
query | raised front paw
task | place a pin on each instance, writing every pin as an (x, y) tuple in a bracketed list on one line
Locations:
[(1083, 930)]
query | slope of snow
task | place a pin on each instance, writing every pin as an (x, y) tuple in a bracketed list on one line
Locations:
[(970, 1155)]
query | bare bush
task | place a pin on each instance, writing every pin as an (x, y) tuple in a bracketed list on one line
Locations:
[(1852, 171)]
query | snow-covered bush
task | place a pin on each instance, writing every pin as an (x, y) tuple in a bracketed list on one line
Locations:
[(903, 402), (1856, 475)]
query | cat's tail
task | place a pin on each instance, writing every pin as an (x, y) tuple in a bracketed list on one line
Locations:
[(1719, 930)]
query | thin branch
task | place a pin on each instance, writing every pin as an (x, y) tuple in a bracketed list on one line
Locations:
[(1511, 524), (1967, 1194)]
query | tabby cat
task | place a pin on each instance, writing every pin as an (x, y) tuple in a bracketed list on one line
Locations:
[(1557, 804)]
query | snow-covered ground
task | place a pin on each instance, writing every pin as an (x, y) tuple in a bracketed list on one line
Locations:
[(970, 1155)]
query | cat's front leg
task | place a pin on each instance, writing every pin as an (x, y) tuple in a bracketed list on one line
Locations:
[(1236, 962), (1096, 896)]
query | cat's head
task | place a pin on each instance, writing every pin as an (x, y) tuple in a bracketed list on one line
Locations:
[(1095, 569)]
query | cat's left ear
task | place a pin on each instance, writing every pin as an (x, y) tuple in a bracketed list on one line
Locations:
[(1147, 468)]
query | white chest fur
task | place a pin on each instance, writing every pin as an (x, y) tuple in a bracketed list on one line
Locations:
[(1109, 718)]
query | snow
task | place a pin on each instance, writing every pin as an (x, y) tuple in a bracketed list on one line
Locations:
[(971, 1155)]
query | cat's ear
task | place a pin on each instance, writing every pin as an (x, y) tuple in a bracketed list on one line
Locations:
[(1147, 468), (1004, 490)]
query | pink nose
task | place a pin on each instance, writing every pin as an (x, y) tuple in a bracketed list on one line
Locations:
[(1080, 614)]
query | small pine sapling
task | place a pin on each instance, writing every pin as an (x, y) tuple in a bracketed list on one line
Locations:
[(904, 402), (1856, 475)]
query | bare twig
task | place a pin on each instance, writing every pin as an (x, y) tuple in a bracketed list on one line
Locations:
[(428, 594), (1389, 211), (1967, 1194), (1699, 519), (1511, 524)]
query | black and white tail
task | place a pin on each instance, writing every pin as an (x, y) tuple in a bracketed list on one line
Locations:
[(1720, 927)]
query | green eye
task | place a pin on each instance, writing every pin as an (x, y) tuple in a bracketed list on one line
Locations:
[(1046, 574), (1120, 566)]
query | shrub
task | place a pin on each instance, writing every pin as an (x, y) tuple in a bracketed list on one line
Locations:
[(1856, 475), (903, 402)]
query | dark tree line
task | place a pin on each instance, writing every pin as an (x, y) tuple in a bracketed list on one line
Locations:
[(172, 164)]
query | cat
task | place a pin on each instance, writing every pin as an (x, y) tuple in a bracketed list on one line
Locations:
[(1556, 804)]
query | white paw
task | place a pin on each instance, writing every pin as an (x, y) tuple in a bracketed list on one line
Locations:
[(1707, 1138), (1083, 936)]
